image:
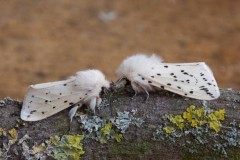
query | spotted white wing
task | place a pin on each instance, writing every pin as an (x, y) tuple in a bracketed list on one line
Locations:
[(193, 80), (46, 99)]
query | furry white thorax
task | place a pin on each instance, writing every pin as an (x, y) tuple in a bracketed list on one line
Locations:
[(136, 64)]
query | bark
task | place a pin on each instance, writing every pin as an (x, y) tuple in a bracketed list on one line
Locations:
[(138, 143)]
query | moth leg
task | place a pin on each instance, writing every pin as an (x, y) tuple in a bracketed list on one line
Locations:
[(92, 104), (73, 111), (134, 86), (99, 100), (144, 90), (147, 94), (135, 94), (141, 88)]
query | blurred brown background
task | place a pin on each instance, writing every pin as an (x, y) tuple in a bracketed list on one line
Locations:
[(42, 41)]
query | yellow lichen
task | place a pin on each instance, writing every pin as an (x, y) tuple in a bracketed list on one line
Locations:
[(3, 132), (194, 116), (69, 147), (177, 120), (106, 129), (13, 133), (168, 129), (215, 125), (215, 118), (197, 117), (38, 149), (102, 140), (220, 114), (118, 137)]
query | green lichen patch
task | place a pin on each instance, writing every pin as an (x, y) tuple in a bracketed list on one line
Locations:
[(199, 130), (9, 138), (107, 129), (3, 133), (69, 147)]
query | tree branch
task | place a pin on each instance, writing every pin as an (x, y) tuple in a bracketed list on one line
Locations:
[(138, 143)]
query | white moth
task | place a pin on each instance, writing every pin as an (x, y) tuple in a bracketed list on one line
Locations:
[(146, 73), (46, 99)]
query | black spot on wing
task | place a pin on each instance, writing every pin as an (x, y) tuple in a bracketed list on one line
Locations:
[(31, 112), (205, 79)]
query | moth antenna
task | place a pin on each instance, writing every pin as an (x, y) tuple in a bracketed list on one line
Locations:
[(110, 103), (108, 93), (146, 93)]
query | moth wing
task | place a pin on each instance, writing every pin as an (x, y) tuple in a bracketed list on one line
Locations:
[(46, 99), (193, 80)]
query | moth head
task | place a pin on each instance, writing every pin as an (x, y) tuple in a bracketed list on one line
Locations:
[(104, 90), (102, 82), (105, 84)]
